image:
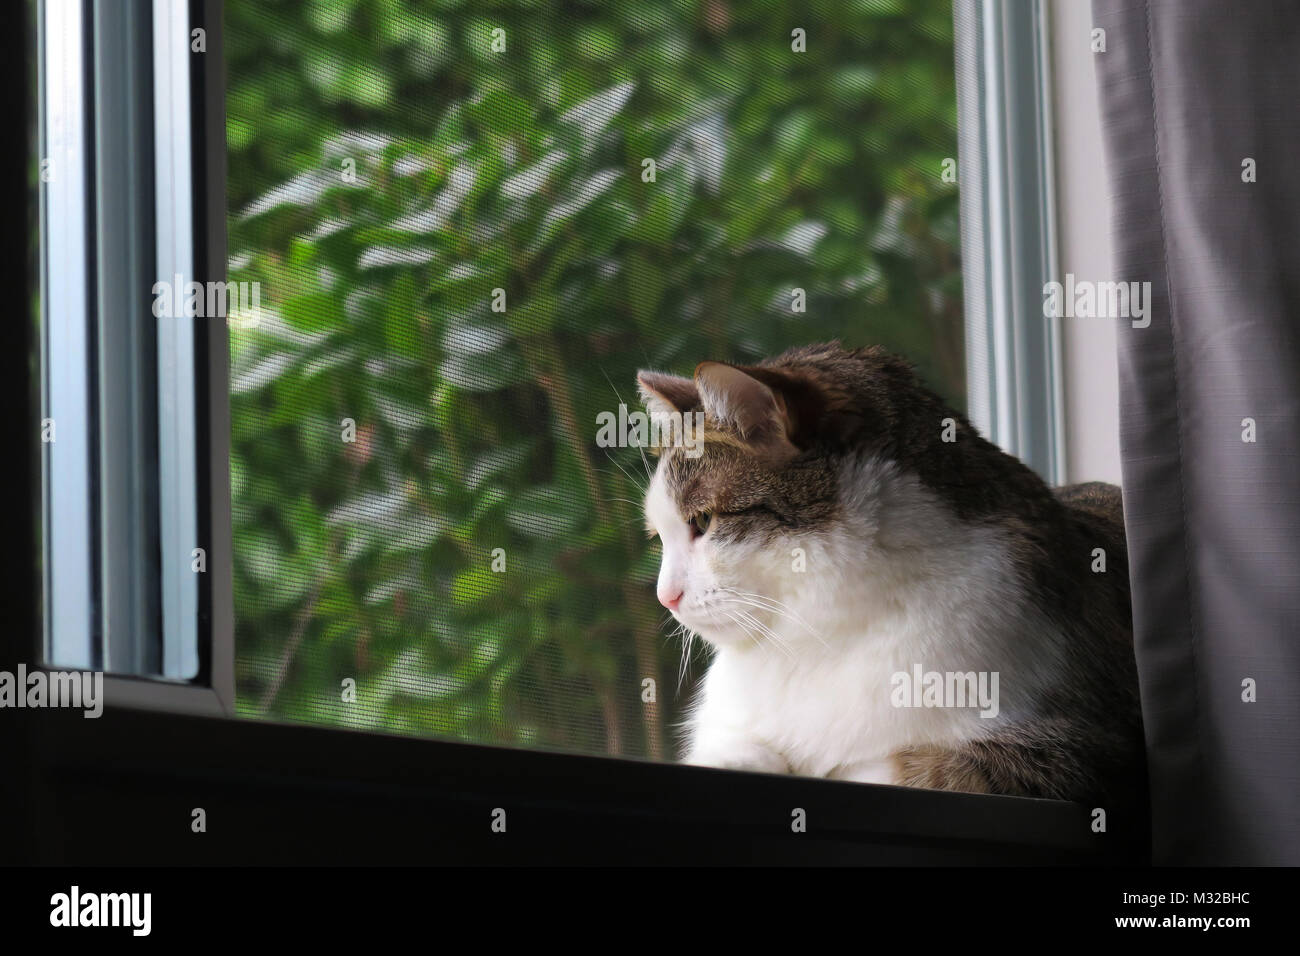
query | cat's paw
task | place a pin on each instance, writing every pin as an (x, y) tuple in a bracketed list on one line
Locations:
[(751, 755), (884, 770)]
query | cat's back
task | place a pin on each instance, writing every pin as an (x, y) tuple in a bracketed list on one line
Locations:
[(1095, 497), (1096, 504), (1096, 519)]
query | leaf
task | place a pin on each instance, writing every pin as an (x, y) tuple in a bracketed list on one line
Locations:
[(495, 462), (262, 374), (470, 587), (473, 340), (304, 189), (596, 112), (547, 512), (312, 312), (377, 257), (803, 237), (409, 676), (482, 372), (574, 202), (367, 508), (527, 182)]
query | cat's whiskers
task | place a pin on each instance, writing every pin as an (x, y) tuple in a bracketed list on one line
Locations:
[(635, 519), (627, 501), (740, 624), (762, 602), (645, 463), (742, 618), (627, 474), (688, 639)]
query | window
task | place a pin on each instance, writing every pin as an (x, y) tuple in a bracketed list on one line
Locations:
[(120, 490), (395, 262), (452, 242), (467, 229)]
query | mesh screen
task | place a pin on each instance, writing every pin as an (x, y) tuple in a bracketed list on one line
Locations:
[(469, 225)]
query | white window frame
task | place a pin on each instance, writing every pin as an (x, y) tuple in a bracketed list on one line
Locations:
[(123, 600), (1008, 236)]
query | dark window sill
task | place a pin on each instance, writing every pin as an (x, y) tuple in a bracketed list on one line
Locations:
[(121, 790)]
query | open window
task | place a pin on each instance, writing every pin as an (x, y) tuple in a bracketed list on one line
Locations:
[(333, 298)]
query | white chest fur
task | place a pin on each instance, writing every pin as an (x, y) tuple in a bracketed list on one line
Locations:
[(903, 588)]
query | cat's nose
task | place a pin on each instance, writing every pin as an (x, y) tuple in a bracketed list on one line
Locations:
[(670, 598)]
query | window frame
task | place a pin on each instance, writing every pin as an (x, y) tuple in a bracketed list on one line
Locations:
[(65, 221), (163, 744), (1009, 231), (113, 258)]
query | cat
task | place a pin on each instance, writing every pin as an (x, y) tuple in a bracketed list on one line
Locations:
[(840, 535)]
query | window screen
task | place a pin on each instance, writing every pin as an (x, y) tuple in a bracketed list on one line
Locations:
[(458, 229)]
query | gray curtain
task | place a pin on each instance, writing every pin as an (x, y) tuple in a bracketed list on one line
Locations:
[(1196, 96)]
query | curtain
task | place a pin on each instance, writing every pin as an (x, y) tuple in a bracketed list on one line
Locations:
[(1201, 120)]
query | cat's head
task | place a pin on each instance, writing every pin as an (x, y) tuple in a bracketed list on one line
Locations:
[(742, 512)]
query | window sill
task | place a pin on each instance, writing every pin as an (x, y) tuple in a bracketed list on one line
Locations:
[(122, 789)]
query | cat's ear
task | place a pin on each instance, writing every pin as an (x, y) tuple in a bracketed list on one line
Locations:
[(663, 393), (756, 410)]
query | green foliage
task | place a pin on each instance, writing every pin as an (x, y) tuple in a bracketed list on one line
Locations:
[(475, 429)]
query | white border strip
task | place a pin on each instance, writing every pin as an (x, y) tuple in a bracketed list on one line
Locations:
[(1014, 378), (70, 625), (177, 410)]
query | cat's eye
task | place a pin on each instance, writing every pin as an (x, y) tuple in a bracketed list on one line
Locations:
[(700, 524)]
